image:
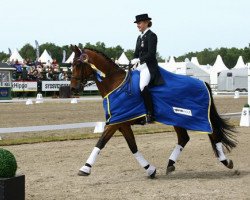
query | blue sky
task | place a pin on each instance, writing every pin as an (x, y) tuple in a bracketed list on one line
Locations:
[(182, 26)]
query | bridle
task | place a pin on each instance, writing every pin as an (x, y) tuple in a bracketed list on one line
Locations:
[(81, 80)]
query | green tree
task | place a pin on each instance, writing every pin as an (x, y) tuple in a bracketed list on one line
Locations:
[(4, 57), (229, 55), (130, 54), (28, 52)]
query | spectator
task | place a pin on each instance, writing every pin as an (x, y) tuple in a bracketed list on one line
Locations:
[(24, 74), (18, 68), (49, 74), (63, 76), (55, 65)]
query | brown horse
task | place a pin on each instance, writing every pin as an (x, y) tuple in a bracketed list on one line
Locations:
[(87, 63)]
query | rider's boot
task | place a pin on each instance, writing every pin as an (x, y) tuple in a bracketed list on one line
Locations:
[(149, 104)]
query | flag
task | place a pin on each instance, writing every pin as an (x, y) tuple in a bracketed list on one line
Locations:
[(37, 50), (64, 56), (9, 51)]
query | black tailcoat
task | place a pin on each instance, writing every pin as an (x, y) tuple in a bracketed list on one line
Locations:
[(145, 50)]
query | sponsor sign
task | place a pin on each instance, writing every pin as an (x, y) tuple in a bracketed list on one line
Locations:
[(24, 86), (54, 85), (5, 84), (91, 88), (182, 111)]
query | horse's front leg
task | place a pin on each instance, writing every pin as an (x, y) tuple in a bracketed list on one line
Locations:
[(129, 136), (107, 134), (183, 139)]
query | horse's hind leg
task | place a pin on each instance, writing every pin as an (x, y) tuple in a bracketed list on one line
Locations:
[(218, 150), (183, 139), (107, 134), (129, 136)]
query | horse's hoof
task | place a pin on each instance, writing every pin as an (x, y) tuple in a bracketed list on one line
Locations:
[(152, 176), (230, 164), (81, 173), (170, 169)]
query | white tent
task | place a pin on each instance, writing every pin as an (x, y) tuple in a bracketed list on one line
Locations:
[(123, 60), (71, 58), (171, 60), (16, 56), (195, 61), (218, 66), (240, 63), (45, 57), (171, 65)]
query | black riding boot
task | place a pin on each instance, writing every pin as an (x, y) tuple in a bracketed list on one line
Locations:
[(148, 104)]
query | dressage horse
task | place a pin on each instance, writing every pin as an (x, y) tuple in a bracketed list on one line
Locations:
[(93, 65)]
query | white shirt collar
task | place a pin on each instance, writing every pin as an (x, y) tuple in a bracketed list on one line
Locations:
[(144, 32)]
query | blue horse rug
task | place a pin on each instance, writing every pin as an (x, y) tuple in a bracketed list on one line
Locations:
[(181, 101)]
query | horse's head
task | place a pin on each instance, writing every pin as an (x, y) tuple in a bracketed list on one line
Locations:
[(82, 71), (93, 65)]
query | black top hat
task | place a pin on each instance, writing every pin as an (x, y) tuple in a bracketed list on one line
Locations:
[(141, 17)]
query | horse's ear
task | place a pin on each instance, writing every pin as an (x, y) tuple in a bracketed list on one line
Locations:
[(77, 51)]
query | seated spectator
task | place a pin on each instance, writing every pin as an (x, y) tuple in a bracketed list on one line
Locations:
[(39, 68), (49, 74), (12, 62), (24, 74), (55, 65), (29, 62), (39, 63), (63, 76), (18, 67), (34, 74)]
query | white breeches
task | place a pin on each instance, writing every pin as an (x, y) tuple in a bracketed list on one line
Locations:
[(144, 75)]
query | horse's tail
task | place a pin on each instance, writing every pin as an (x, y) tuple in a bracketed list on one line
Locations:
[(224, 132)]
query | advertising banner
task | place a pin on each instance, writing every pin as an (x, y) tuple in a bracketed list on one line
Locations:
[(24, 86), (53, 85)]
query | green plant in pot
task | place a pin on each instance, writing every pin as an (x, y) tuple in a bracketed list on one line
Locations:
[(8, 164), (246, 105)]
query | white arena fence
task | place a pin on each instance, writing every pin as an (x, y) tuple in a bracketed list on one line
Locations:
[(73, 126)]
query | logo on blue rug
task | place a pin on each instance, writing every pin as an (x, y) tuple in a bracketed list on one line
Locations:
[(182, 111)]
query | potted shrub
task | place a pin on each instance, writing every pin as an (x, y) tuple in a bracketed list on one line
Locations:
[(12, 186), (246, 105)]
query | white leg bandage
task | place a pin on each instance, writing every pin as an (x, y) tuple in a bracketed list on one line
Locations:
[(220, 151), (91, 160), (176, 152), (93, 155), (141, 160)]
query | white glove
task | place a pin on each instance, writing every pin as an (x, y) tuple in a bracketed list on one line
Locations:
[(135, 61)]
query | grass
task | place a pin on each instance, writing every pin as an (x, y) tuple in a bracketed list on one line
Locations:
[(37, 138)]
